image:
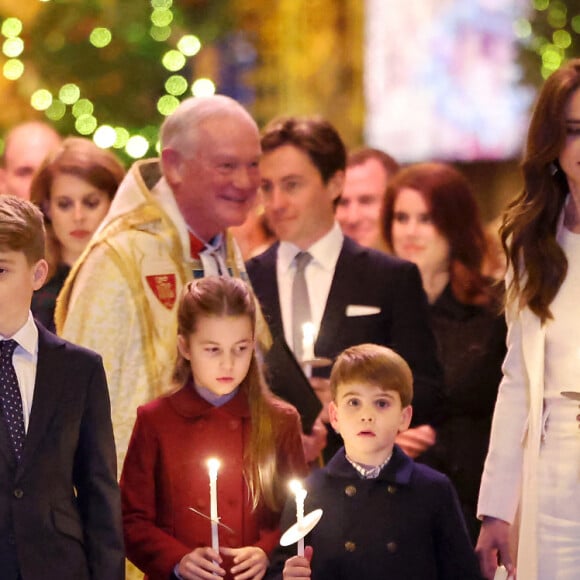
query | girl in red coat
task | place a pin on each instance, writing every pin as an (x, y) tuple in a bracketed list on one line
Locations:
[(223, 410)]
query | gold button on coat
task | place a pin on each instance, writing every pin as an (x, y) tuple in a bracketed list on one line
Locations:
[(392, 489), (350, 546), (392, 547), (350, 490)]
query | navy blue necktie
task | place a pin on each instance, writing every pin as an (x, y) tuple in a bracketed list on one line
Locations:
[(10, 397)]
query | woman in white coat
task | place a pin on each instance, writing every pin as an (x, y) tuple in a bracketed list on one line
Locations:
[(534, 455)]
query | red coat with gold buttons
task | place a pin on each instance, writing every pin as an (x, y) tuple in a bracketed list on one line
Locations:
[(165, 473)]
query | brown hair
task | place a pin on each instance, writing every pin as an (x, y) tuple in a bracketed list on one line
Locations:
[(528, 231), (81, 158), (21, 228), (314, 136), (375, 365), (215, 296), (364, 154), (455, 214)]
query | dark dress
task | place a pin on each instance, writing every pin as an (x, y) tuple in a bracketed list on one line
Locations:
[(471, 345), (44, 299)]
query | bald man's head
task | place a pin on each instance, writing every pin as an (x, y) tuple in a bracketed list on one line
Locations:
[(26, 146)]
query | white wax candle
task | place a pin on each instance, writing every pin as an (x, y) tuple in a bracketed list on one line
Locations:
[(213, 466), (300, 495), (308, 336)]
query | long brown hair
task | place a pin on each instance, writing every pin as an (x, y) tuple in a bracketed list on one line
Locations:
[(217, 296), (455, 215), (528, 231)]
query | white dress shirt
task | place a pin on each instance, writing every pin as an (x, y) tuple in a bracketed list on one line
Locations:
[(25, 359), (319, 274)]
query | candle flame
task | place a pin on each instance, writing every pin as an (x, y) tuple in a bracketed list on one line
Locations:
[(213, 465), (295, 486)]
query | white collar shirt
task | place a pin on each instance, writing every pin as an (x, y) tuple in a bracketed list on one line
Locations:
[(25, 359)]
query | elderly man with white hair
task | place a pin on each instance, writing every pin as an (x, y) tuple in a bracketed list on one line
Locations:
[(167, 224)]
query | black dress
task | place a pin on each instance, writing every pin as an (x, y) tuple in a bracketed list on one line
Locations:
[(471, 346), (44, 299)]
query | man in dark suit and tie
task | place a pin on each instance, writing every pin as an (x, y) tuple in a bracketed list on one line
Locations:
[(60, 512), (354, 294)]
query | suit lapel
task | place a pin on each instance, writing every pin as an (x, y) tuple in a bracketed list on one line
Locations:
[(47, 388), (266, 281), (338, 297), (6, 444)]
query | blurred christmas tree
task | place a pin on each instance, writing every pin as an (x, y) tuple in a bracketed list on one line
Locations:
[(550, 36), (111, 68)]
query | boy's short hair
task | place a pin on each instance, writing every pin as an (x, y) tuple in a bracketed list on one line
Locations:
[(375, 365), (21, 228)]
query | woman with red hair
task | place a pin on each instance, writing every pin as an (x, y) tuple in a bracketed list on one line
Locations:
[(431, 218)]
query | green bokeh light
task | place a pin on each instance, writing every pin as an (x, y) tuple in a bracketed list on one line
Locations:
[(575, 23), (203, 88), (522, 28), (167, 104), (541, 4), (551, 58), (41, 99), (160, 34), (176, 85), (69, 94), (161, 17), (86, 124), (83, 107), (562, 38), (557, 15), (100, 37), (11, 27), (105, 136), (13, 69), (122, 137), (137, 146), (189, 45), (161, 4), (173, 60), (56, 111), (13, 47)]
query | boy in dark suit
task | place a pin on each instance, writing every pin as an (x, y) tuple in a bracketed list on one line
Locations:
[(60, 515), (383, 515)]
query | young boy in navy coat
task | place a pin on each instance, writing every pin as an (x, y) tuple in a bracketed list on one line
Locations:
[(383, 515), (60, 512)]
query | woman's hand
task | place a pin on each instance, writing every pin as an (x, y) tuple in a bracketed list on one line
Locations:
[(416, 440), (250, 562), (202, 563), (298, 566), (493, 542)]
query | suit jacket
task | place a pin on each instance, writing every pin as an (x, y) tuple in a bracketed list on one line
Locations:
[(404, 525), (367, 277), (60, 513)]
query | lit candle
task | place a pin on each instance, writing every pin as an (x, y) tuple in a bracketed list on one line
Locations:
[(213, 466), (300, 495), (308, 336)]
